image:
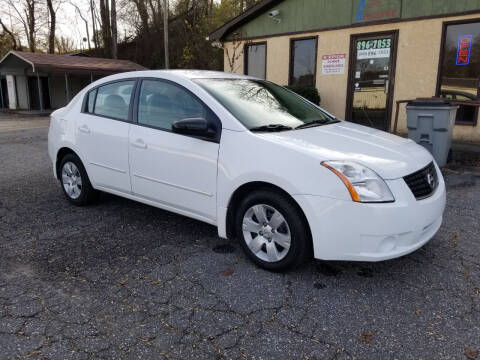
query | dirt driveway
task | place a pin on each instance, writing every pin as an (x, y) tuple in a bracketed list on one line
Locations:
[(122, 280)]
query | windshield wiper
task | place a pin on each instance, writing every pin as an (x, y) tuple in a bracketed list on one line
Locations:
[(271, 127), (316, 123)]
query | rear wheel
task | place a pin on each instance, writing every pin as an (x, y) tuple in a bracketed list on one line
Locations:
[(272, 230), (74, 180)]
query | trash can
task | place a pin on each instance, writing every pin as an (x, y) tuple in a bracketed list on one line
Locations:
[(430, 123)]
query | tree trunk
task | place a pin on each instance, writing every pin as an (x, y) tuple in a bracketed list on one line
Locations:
[(142, 11), (156, 15), (105, 25), (114, 28), (88, 34), (30, 16), (94, 27), (165, 32), (51, 34)]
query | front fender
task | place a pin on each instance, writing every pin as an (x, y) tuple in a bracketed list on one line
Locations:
[(246, 157)]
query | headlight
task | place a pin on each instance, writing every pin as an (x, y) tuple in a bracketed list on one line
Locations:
[(363, 184)]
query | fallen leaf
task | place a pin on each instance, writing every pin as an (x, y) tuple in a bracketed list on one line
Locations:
[(227, 272), (366, 337), (471, 353)]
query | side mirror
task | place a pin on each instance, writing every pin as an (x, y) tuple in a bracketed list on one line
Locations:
[(192, 126)]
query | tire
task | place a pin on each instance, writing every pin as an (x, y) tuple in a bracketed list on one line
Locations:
[(77, 188), (274, 252)]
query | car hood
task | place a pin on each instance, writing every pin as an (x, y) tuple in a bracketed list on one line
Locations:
[(388, 155)]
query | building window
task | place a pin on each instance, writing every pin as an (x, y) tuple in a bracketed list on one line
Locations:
[(256, 60), (303, 61), (460, 68)]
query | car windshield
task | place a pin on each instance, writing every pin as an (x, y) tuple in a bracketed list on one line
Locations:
[(262, 105)]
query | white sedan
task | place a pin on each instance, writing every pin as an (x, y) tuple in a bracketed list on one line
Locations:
[(283, 176)]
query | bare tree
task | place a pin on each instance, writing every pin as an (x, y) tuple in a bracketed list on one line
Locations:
[(94, 23), (25, 12), (64, 45), (105, 27), (10, 33), (143, 13), (53, 24), (30, 23), (84, 19), (234, 53)]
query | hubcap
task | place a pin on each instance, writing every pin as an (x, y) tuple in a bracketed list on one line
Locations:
[(71, 180), (266, 233)]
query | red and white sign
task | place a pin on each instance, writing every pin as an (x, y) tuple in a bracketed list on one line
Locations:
[(333, 64)]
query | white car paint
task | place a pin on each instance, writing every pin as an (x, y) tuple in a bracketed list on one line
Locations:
[(197, 178), (186, 174)]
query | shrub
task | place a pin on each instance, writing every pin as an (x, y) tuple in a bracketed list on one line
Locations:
[(308, 92)]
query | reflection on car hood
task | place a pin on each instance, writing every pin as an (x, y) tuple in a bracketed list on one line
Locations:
[(388, 155)]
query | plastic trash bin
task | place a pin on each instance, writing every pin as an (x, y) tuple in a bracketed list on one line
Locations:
[(430, 123)]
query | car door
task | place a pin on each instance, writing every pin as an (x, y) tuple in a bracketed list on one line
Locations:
[(102, 134), (178, 172)]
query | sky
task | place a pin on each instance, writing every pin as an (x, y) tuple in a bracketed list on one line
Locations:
[(69, 24)]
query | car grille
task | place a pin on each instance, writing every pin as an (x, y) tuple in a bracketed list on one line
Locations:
[(423, 182)]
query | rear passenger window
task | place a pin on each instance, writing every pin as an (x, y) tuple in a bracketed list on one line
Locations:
[(91, 100), (113, 100), (161, 103)]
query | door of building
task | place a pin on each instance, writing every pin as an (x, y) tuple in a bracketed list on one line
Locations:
[(371, 79), (3, 93)]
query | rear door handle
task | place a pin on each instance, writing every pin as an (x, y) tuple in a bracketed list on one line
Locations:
[(139, 143), (84, 129)]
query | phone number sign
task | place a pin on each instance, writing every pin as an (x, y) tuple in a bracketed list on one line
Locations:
[(464, 48), (333, 64)]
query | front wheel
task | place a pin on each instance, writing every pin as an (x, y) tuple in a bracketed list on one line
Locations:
[(272, 230)]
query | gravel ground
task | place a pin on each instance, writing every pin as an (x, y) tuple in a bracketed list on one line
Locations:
[(121, 280)]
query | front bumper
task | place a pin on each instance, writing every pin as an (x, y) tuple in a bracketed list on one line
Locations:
[(346, 230)]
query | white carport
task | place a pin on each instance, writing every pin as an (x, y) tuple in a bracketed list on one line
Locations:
[(36, 81)]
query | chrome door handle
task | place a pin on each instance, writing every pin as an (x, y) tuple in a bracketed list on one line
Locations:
[(139, 143), (84, 129)]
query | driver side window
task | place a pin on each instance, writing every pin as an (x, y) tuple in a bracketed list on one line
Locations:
[(161, 103)]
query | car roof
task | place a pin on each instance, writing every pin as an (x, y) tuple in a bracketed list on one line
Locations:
[(192, 74)]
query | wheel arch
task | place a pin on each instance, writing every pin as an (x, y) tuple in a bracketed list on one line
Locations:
[(60, 155), (243, 190)]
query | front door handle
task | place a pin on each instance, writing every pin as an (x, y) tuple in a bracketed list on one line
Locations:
[(139, 143), (84, 129)]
